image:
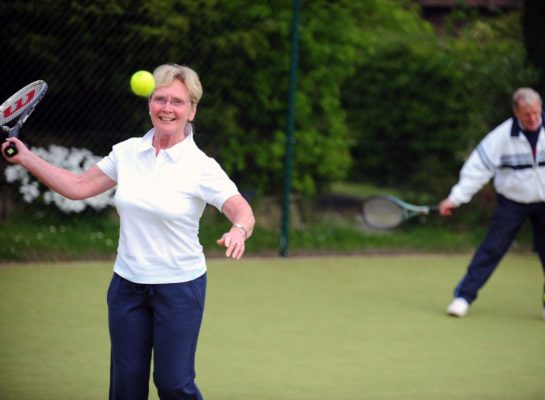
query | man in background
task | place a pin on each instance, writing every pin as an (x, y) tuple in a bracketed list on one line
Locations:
[(514, 155)]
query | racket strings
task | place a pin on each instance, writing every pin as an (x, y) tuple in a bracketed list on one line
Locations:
[(383, 214), (21, 101)]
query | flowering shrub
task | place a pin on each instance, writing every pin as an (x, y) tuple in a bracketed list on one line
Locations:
[(73, 159)]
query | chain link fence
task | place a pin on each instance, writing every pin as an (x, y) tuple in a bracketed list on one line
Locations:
[(87, 51)]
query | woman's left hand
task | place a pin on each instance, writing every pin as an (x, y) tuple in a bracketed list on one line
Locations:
[(234, 241)]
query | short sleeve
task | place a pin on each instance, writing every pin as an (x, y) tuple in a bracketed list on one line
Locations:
[(215, 186), (108, 165)]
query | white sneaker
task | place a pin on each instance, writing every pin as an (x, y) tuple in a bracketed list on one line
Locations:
[(459, 307)]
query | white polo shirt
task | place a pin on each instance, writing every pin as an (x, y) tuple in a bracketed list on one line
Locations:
[(160, 200)]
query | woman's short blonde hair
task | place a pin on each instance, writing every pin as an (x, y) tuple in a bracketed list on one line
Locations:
[(165, 74)]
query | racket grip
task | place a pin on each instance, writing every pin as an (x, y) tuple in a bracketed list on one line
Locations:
[(11, 150)]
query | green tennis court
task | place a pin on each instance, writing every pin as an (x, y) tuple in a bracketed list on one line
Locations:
[(296, 328)]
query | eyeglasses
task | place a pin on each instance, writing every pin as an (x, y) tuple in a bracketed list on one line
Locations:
[(174, 102)]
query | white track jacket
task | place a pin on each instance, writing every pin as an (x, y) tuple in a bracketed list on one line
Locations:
[(506, 155)]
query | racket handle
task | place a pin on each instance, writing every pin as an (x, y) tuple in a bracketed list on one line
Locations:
[(11, 150)]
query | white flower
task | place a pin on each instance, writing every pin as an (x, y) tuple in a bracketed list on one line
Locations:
[(30, 191), (14, 173), (73, 159)]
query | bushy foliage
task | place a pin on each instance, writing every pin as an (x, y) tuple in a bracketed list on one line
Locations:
[(418, 105), (87, 51), (378, 93)]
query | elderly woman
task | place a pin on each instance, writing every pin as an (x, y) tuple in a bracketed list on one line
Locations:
[(157, 292)]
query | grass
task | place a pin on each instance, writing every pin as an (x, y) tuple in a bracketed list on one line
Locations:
[(90, 237), (41, 236), (34, 233), (294, 328)]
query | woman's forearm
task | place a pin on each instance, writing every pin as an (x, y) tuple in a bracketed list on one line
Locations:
[(69, 184)]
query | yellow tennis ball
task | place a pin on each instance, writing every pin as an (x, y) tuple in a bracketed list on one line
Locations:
[(142, 83)]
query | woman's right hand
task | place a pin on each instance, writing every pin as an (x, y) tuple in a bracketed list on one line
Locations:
[(22, 150)]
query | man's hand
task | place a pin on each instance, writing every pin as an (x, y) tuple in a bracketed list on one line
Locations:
[(446, 208)]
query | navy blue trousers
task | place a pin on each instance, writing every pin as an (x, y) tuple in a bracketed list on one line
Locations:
[(162, 319), (508, 218)]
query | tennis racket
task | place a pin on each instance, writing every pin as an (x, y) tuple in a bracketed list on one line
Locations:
[(15, 111), (386, 212)]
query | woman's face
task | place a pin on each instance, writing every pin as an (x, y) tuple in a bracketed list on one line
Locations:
[(170, 109)]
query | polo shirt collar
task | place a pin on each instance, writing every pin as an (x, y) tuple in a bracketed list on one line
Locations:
[(146, 142), (179, 149), (175, 152)]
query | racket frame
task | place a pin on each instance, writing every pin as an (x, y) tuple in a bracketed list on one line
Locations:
[(23, 112), (406, 210)]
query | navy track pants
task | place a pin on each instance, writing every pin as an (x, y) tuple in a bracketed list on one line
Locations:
[(508, 218), (162, 319)]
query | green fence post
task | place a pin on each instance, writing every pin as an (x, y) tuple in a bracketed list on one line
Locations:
[(284, 230)]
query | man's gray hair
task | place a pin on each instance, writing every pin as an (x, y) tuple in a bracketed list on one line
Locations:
[(525, 96)]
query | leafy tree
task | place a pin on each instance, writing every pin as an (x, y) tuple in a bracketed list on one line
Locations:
[(358, 54), (87, 51), (406, 108), (419, 105)]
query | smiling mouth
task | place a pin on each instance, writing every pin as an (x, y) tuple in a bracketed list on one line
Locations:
[(167, 119)]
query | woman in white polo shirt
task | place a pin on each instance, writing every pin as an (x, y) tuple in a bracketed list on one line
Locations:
[(164, 181)]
